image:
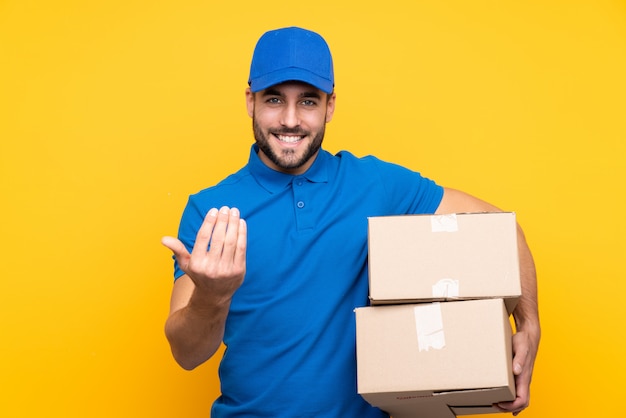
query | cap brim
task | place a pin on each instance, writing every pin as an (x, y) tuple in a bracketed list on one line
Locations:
[(291, 74)]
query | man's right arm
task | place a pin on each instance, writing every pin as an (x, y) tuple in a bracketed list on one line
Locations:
[(201, 297)]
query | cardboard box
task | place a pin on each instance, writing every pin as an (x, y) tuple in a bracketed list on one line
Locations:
[(417, 258), (423, 360)]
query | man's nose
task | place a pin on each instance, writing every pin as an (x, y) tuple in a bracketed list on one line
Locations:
[(290, 116)]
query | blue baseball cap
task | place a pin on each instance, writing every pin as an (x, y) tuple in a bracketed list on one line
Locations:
[(291, 54)]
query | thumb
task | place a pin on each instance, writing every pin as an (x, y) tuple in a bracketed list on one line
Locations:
[(178, 248)]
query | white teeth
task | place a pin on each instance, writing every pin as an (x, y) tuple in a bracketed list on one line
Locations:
[(289, 139)]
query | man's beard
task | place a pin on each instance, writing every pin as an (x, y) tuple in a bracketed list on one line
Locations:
[(287, 160)]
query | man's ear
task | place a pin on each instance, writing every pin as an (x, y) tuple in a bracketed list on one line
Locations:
[(250, 102), (330, 107)]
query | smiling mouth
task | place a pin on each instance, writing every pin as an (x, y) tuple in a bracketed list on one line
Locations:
[(289, 139)]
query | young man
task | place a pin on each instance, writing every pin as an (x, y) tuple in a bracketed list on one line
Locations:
[(279, 288)]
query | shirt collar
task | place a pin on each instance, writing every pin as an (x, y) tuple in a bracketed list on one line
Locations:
[(274, 181)]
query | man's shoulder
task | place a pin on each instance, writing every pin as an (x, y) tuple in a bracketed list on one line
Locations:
[(349, 158), (368, 163), (238, 179)]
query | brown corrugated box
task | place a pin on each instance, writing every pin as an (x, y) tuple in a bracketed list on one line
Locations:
[(435, 360), (417, 258)]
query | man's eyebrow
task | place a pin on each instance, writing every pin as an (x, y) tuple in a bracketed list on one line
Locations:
[(311, 94), (271, 92)]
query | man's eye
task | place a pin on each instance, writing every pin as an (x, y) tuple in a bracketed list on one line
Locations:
[(273, 100), (308, 102)]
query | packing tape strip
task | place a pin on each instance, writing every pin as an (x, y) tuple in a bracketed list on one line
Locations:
[(429, 326), (446, 288), (444, 223)]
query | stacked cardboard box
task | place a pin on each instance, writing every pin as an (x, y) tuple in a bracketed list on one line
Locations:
[(436, 342)]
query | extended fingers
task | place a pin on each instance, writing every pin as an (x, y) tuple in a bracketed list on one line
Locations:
[(219, 232), (232, 235), (228, 234), (220, 245), (242, 243), (205, 234)]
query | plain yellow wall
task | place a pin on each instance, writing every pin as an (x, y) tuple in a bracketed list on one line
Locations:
[(113, 112)]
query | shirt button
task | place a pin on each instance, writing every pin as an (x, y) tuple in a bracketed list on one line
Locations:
[(299, 182), (300, 204)]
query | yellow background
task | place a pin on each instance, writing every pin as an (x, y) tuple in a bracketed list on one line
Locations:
[(113, 112)]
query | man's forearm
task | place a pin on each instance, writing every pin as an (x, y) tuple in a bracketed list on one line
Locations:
[(195, 332), (526, 314)]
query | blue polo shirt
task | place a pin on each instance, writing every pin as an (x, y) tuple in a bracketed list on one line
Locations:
[(290, 332)]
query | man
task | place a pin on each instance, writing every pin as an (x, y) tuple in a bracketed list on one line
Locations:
[(279, 288)]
